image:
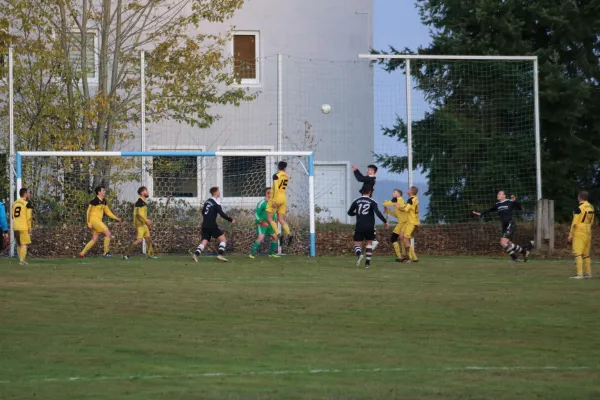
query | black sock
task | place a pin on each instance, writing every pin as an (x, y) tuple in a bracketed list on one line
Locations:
[(369, 253), (357, 251)]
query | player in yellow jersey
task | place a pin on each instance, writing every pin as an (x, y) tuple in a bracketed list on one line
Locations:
[(142, 225), (581, 236), (412, 210), (278, 204), (395, 208), (96, 210), (22, 215)]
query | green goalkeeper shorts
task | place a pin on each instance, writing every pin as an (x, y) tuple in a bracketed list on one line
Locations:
[(264, 230)]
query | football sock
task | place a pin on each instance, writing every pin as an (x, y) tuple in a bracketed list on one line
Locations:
[(368, 253), (88, 247), (275, 227), (357, 251), (222, 248), (411, 253), (149, 250), (286, 228), (579, 264), (199, 249), (22, 252), (255, 247), (587, 265), (513, 249), (397, 249), (375, 243), (106, 245), (273, 247)]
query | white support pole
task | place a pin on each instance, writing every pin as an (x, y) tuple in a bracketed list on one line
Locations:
[(409, 123), (538, 143), (11, 141), (311, 205), (444, 57), (143, 124), (279, 102)]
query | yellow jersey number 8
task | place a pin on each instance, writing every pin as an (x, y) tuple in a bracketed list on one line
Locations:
[(17, 212)]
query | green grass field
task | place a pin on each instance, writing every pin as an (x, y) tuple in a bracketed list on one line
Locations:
[(298, 328)]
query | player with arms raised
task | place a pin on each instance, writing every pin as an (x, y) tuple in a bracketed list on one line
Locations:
[(262, 226), (506, 211), (581, 236), (395, 207), (212, 208), (142, 224), (364, 209), (95, 212), (368, 181), (278, 205), (412, 221), (22, 215)]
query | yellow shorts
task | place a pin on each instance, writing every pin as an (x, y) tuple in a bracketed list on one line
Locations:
[(399, 228), (23, 238), (582, 245), (408, 230), (281, 207), (142, 232), (99, 227)]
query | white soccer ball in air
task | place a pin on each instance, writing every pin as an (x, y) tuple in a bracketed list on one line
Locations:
[(326, 108)]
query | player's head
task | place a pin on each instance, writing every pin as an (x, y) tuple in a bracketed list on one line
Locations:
[(583, 196), (367, 190), (215, 191), (24, 193), (143, 192), (413, 191), (100, 191), (397, 193), (268, 193), (501, 195), (281, 165), (371, 169)]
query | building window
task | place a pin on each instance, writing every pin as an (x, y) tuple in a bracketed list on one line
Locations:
[(246, 57), (175, 177), (244, 176), (91, 53)]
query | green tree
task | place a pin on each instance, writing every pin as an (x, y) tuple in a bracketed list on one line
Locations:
[(565, 35)]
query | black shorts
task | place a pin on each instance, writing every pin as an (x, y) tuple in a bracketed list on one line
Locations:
[(209, 233), (360, 236), (508, 230)]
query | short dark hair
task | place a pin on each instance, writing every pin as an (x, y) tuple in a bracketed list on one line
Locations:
[(503, 191), (281, 165), (213, 190), (583, 195), (99, 189), (372, 166), (397, 190), (367, 189), (23, 192), (267, 189), (414, 190), (141, 189)]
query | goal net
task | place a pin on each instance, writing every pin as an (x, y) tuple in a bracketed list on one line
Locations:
[(62, 185)]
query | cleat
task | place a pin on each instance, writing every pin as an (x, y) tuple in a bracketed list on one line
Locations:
[(358, 260), (576, 277), (274, 256), (221, 258), (23, 263), (126, 258), (586, 276), (152, 257), (195, 257), (367, 264), (251, 256), (409, 261), (400, 260), (107, 255), (81, 255)]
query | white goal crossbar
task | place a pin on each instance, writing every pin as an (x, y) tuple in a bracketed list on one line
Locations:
[(308, 154)]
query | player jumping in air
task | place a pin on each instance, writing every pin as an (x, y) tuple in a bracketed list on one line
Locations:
[(368, 182), (506, 211), (278, 205), (95, 212), (412, 221), (22, 215), (395, 207), (581, 236), (142, 225), (365, 208), (210, 229), (262, 226)]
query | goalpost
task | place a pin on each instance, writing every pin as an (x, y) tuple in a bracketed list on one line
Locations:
[(62, 182)]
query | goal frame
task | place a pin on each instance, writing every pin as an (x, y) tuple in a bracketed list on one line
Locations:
[(308, 154)]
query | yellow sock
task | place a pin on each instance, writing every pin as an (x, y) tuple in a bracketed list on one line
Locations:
[(397, 249), (149, 251), (412, 254), (88, 247), (106, 245), (579, 263), (21, 253), (587, 263), (403, 250), (275, 227), (286, 228)]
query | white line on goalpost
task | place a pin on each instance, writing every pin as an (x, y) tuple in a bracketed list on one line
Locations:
[(309, 154)]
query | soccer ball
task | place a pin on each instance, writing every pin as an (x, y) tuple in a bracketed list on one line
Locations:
[(326, 108)]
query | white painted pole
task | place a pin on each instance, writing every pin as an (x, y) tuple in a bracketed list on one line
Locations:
[(538, 143), (11, 144), (444, 57), (409, 144), (279, 102), (143, 123)]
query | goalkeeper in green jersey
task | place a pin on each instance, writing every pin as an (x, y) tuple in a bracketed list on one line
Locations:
[(263, 228)]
